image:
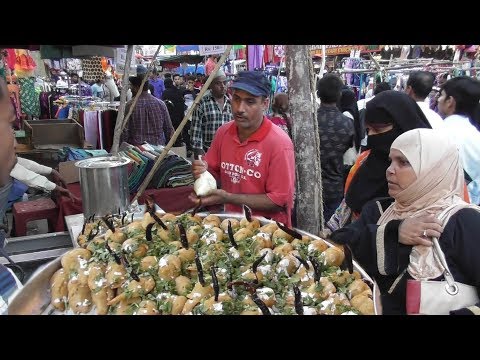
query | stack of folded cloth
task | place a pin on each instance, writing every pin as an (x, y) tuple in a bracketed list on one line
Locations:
[(68, 153), (173, 171)]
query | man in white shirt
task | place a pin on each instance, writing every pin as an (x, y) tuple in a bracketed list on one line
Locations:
[(459, 104), (419, 85), (32, 174)]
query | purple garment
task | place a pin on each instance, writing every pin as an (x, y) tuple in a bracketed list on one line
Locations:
[(255, 57), (90, 125), (150, 121), (158, 87), (85, 90)]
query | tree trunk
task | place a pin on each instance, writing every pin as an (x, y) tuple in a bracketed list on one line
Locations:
[(123, 97), (306, 139)]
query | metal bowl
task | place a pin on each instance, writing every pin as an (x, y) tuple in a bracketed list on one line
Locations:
[(34, 297)]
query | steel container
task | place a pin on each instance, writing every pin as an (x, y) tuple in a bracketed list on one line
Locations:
[(104, 183)]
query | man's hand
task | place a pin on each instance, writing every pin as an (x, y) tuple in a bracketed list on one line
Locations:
[(66, 192), (58, 179), (419, 230), (198, 167), (217, 196)]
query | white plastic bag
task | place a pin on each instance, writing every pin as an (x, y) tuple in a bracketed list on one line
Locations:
[(204, 184)]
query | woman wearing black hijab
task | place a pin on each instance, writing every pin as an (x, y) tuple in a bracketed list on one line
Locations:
[(388, 115)]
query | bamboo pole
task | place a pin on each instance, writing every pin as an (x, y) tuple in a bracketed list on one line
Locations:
[(123, 97), (182, 124)]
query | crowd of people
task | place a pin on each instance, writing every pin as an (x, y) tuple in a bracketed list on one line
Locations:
[(397, 172)]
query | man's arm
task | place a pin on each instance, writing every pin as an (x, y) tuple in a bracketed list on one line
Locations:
[(31, 178), (254, 201), (33, 166)]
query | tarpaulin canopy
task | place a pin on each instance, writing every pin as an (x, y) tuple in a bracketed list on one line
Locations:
[(183, 48), (190, 59)]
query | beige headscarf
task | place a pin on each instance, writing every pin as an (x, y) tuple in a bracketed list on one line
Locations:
[(438, 188)]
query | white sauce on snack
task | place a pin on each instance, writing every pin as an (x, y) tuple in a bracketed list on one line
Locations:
[(308, 310), (326, 304), (234, 252), (283, 265), (265, 269), (348, 313), (269, 257), (82, 263), (266, 236), (163, 262), (218, 306), (100, 282)]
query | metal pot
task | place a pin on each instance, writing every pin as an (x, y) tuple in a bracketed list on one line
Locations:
[(104, 183)]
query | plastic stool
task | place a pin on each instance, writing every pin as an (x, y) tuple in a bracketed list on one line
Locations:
[(26, 211)]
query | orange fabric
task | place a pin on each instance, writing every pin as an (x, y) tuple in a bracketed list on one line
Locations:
[(465, 193), (353, 170)]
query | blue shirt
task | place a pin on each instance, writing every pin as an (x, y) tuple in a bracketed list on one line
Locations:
[(97, 90), (158, 87), (467, 138)]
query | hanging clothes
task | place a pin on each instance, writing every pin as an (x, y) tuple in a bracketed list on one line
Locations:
[(30, 102), (268, 54), (90, 126), (255, 57), (14, 91)]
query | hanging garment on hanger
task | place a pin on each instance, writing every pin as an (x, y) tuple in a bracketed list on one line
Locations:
[(90, 125), (30, 102), (404, 52)]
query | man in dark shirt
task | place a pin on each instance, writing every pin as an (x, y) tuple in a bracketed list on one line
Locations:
[(150, 120), (336, 137)]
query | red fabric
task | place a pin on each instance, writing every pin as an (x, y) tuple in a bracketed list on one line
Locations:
[(263, 164), (11, 57), (414, 291), (174, 200)]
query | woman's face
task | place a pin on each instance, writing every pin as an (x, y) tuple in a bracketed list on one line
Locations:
[(400, 174), (375, 129)]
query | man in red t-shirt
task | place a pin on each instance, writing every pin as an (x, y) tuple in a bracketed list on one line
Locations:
[(252, 159)]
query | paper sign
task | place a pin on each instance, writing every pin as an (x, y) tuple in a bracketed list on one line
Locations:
[(120, 58), (212, 49)]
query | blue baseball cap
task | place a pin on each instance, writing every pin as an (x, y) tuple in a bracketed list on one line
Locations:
[(253, 82), (141, 69)]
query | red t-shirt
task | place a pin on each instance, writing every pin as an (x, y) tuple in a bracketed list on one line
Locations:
[(263, 164)]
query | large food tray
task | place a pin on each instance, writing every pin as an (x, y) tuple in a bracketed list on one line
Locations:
[(34, 298)]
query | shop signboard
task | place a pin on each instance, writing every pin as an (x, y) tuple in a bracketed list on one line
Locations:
[(333, 50), (212, 49)]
